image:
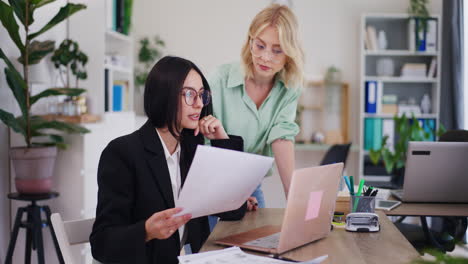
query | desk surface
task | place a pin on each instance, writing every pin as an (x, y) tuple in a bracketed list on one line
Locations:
[(429, 209), (386, 246)]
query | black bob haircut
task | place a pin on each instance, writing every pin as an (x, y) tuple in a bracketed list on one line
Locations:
[(163, 89)]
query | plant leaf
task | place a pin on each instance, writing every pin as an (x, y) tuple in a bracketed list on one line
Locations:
[(9, 22), (38, 123), (39, 3), (18, 87), (38, 50), (63, 13), (55, 92), (10, 120)]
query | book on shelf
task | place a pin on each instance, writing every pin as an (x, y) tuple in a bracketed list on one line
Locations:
[(118, 15), (373, 97), (429, 127), (388, 129), (408, 110), (106, 90), (412, 34), (372, 37), (422, 38), (420, 35), (414, 70), (431, 73), (120, 96), (391, 109)]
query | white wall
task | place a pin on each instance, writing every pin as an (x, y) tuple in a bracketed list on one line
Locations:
[(211, 32)]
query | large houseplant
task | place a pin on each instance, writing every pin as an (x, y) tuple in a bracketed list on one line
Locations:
[(33, 163), (394, 157)]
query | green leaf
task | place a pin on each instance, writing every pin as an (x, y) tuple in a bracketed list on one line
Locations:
[(374, 156), (38, 50), (389, 160), (9, 22), (39, 3), (63, 14), (55, 92), (10, 120), (38, 123), (19, 6), (18, 87)]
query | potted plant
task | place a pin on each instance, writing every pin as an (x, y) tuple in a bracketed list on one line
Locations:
[(68, 57), (148, 55), (34, 163), (394, 157)]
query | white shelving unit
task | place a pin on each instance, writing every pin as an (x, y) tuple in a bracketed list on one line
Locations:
[(398, 50), (119, 46)]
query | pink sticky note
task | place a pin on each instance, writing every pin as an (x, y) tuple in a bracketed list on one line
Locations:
[(313, 206)]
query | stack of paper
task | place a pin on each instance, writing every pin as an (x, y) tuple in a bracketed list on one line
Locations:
[(235, 255)]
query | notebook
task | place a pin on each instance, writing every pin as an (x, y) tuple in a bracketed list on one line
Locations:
[(308, 215)]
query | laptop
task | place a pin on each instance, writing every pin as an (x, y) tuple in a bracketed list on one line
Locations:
[(435, 172), (308, 215)]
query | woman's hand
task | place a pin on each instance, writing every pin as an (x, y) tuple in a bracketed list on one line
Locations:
[(252, 204), (211, 128), (162, 225)]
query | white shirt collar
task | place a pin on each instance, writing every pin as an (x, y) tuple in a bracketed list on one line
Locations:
[(167, 154)]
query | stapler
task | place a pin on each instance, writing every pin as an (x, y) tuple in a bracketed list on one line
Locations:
[(362, 222)]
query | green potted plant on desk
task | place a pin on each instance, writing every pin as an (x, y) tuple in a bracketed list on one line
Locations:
[(34, 163), (394, 157)]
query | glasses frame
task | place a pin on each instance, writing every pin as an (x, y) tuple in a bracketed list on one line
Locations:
[(271, 56), (198, 97)]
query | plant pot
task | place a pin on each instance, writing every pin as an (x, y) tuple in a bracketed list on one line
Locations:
[(33, 168)]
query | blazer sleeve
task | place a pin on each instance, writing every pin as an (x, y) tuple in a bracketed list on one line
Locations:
[(115, 238), (234, 143)]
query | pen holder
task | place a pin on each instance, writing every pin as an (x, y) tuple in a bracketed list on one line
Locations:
[(362, 204)]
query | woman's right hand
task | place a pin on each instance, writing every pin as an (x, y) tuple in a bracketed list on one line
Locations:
[(162, 225)]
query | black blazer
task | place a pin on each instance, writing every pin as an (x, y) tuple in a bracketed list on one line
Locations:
[(134, 183)]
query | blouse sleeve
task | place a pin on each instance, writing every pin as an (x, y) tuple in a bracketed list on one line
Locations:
[(285, 127)]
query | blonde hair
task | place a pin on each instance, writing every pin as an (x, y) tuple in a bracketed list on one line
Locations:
[(283, 19)]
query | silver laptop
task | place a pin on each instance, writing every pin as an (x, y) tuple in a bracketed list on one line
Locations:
[(436, 172)]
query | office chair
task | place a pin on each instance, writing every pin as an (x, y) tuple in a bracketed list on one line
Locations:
[(71, 233), (336, 153), (444, 231)]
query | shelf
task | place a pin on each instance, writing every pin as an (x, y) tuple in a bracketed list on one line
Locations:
[(401, 79), (85, 118), (318, 147), (118, 36), (118, 69), (399, 53), (425, 116)]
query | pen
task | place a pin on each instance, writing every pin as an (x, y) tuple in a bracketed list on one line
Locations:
[(374, 193), (368, 191), (351, 182), (347, 183), (361, 184)]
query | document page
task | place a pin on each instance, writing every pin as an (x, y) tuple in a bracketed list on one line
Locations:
[(235, 255), (221, 180)]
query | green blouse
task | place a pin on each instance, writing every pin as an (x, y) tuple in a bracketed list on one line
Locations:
[(240, 116)]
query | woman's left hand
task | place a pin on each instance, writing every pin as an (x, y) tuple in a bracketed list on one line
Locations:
[(211, 128)]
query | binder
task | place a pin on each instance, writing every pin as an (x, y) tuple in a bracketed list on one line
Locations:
[(388, 129), (117, 94), (420, 35), (368, 133), (371, 97), (412, 34), (377, 139), (431, 35)]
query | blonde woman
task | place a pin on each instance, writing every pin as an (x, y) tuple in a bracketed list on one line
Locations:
[(257, 98)]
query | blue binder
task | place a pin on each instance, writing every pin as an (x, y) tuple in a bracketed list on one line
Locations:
[(371, 97)]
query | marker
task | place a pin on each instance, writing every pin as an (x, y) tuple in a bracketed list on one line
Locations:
[(351, 182), (368, 191), (347, 183), (374, 193), (361, 184)]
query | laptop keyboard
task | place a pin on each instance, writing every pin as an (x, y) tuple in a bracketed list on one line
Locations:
[(270, 241), (398, 194)]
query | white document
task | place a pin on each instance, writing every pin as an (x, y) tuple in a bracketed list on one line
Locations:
[(235, 255), (220, 180)]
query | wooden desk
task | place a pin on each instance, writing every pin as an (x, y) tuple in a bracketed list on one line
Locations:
[(386, 246), (429, 209)]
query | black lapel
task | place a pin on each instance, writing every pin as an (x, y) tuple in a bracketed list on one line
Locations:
[(188, 148), (157, 162)]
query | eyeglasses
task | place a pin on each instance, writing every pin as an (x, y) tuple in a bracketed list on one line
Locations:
[(258, 49), (190, 96)]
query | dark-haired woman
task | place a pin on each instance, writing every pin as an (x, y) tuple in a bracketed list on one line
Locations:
[(140, 175)]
